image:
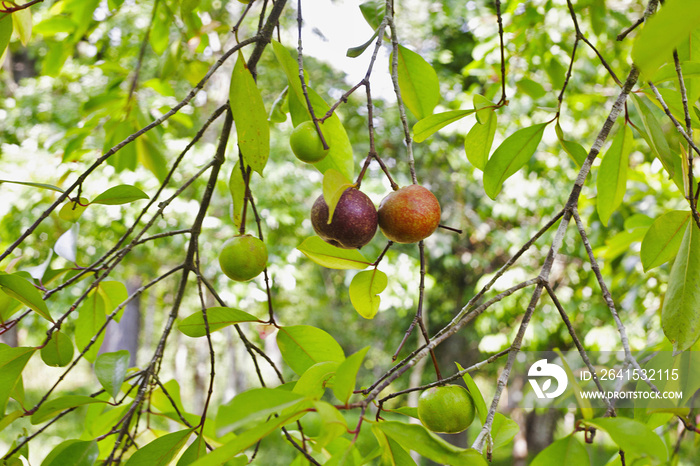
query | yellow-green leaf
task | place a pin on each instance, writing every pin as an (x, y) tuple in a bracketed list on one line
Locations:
[(332, 257), (612, 175), (418, 82), (662, 240), (364, 292), (334, 185)]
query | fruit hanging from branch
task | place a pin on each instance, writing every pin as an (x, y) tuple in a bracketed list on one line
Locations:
[(446, 409), (409, 214), (243, 257), (354, 221), (306, 143)]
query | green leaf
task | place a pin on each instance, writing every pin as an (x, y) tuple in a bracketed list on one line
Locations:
[(12, 362), (346, 375), (680, 314), (474, 391), (407, 411), (418, 81), (34, 185), (392, 453), (312, 383), (612, 175), (217, 317), (334, 185), (160, 451), (567, 450), (71, 211), (251, 405), (110, 369), (236, 185), (340, 156), (503, 430), (417, 438), (188, 6), (5, 31), (431, 124), (373, 11), (479, 139), (531, 88), (58, 352), (333, 423), (662, 240), (302, 346), (575, 150), (10, 418), (91, 318), (24, 291), (196, 450), (354, 52), (654, 136), (511, 156), (663, 32), (249, 113), (54, 407), (632, 436), (22, 21), (364, 292), (329, 256), (73, 453), (122, 194), (584, 404), (53, 25), (159, 36)]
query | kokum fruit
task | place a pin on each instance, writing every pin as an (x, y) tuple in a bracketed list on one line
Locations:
[(448, 409), (306, 143), (409, 214), (243, 257), (354, 221)]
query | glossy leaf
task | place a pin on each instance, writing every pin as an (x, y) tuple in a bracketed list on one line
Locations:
[(680, 314), (12, 362), (71, 211), (340, 156), (24, 291), (91, 318), (392, 453), (575, 150), (312, 383), (418, 81), (373, 11), (217, 318), (417, 438), (346, 375), (34, 185), (433, 123), (196, 450), (302, 346), (654, 136), (160, 451), (122, 194), (22, 21), (73, 453), (479, 139), (67, 244), (236, 185), (503, 430), (334, 185), (354, 52), (511, 156), (329, 256), (251, 405), (612, 175), (662, 240), (662, 33), (250, 116), (53, 407), (5, 31), (632, 436), (58, 352), (567, 450), (364, 292), (110, 369), (475, 393)]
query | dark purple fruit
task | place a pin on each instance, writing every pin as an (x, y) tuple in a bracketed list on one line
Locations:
[(354, 221)]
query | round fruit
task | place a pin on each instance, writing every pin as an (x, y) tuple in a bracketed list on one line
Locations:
[(243, 257), (409, 214), (306, 144), (354, 221), (448, 409)]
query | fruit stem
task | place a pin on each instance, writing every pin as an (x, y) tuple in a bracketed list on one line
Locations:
[(456, 230)]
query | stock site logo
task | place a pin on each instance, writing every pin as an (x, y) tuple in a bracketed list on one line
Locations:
[(552, 371)]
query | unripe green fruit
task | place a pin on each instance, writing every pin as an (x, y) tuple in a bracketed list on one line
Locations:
[(243, 257), (306, 144), (409, 214), (448, 409)]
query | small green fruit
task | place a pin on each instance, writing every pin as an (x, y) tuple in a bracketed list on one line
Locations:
[(243, 257), (306, 144), (448, 409), (409, 214)]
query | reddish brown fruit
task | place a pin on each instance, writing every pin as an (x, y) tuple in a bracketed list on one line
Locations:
[(410, 214), (354, 221)]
